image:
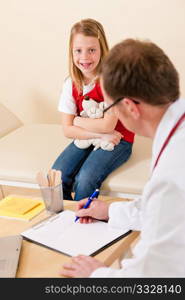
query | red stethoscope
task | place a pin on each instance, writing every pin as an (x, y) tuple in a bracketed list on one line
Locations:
[(182, 118)]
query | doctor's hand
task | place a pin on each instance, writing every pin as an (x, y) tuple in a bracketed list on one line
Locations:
[(97, 210), (81, 266)]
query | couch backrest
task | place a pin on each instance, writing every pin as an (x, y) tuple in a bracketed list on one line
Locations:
[(8, 121)]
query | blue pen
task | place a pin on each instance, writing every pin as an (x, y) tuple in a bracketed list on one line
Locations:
[(90, 199)]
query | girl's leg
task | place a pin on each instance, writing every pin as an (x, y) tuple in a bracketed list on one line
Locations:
[(97, 166), (69, 163)]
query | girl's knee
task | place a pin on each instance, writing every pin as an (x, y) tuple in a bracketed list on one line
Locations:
[(82, 180)]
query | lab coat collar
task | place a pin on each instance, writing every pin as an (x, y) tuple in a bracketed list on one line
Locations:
[(167, 122)]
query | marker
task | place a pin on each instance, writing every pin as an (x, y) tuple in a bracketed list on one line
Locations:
[(90, 199)]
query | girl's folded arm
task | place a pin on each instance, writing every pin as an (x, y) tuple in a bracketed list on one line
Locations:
[(102, 125), (75, 132)]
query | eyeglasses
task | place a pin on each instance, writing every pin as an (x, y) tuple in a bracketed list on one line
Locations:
[(117, 101)]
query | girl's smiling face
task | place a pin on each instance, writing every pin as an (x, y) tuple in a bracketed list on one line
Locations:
[(86, 54)]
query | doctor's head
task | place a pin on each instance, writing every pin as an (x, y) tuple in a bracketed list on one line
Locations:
[(140, 82)]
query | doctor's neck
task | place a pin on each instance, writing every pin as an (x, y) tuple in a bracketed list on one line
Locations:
[(152, 118)]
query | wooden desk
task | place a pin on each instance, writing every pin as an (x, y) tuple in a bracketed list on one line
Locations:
[(38, 261)]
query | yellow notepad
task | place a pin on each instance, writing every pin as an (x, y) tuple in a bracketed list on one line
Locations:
[(20, 207)]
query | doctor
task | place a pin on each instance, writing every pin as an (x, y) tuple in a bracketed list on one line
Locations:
[(142, 87)]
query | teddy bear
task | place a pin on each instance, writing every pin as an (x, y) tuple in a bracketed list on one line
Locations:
[(93, 109)]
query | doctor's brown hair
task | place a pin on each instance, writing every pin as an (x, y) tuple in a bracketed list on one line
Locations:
[(92, 28), (140, 70)]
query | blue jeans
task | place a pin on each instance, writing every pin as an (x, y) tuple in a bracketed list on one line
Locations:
[(84, 170)]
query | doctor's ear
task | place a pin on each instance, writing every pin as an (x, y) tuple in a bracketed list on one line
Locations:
[(132, 107)]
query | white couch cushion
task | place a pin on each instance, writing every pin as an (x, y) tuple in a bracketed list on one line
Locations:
[(33, 148), (30, 149), (132, 176)]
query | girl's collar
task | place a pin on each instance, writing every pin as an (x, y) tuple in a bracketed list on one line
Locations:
[(91, 82)]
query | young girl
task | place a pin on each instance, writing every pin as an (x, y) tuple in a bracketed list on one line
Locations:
[(84, 170)]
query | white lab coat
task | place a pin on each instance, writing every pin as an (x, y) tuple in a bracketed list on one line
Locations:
[(160, 212)]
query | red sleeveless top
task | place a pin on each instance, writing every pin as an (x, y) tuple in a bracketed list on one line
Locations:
[(96, 94)]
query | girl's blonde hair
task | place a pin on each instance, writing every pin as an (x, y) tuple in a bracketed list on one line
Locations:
[(87, 27)]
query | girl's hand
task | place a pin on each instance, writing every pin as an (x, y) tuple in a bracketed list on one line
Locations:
[(113, 137), (76, 121)]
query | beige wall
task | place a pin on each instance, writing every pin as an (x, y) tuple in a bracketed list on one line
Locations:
[(34, 38)]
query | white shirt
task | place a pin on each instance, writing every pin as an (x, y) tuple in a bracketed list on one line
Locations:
[(67, 102), (160, 213)]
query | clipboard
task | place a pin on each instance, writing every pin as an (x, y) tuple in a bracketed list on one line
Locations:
[(62, 234)]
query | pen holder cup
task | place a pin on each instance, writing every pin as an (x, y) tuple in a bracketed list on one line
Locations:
[(53, 198)]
